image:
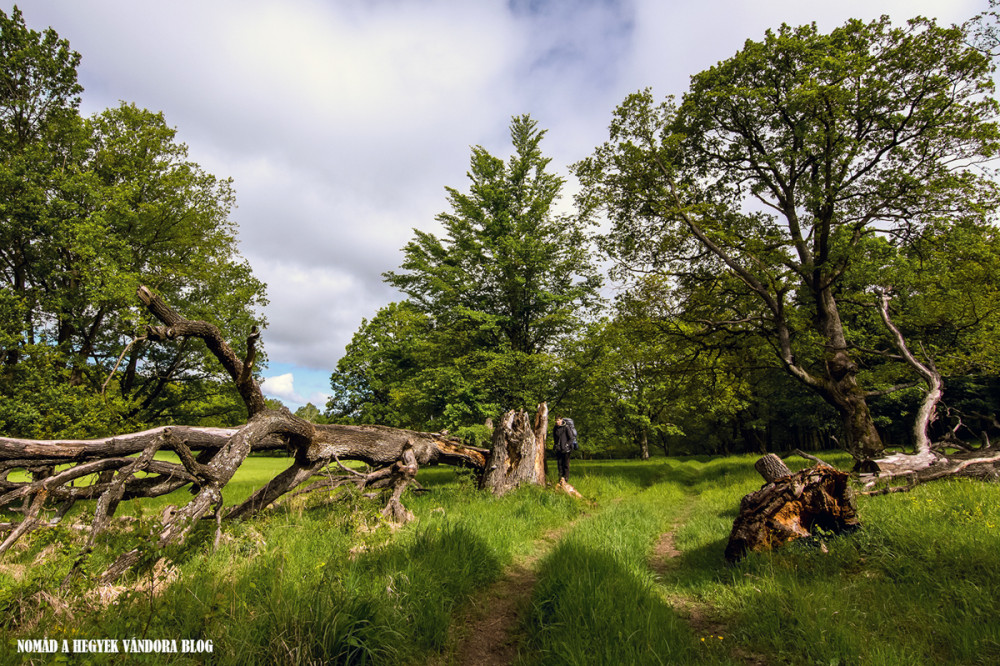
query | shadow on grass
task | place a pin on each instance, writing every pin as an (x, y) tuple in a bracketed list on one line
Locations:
[(588, 608), (314, 597)]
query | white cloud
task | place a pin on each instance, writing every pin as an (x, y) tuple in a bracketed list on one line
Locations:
[(342, 122), (319, 399), (281, 386)]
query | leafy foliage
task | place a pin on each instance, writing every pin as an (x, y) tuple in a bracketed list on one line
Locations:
[(757, 194), (92, 208), (489, 303)]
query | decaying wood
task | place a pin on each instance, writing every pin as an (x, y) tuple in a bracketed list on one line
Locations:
[(518, 452), (210, 457), (979, 464), (929, 460), (792, 507), (928, 373), (771, 467)]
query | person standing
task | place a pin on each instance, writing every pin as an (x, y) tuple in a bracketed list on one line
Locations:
[(564, 438)]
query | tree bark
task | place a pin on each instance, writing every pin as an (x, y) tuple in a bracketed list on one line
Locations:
[(842, 390), (790, 508), (935, 385), (394, 454), (541, 432), (517, 455), (772, 468)]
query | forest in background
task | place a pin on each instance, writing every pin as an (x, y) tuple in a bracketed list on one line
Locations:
[(745, 236)]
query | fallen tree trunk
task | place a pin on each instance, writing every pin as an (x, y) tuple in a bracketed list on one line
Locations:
[(790, 507), (929, 460), (209, 457)]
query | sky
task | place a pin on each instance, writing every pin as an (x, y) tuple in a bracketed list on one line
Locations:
[(342, 121)]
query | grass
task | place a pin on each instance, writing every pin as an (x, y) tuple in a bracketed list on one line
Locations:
[(321, 582)]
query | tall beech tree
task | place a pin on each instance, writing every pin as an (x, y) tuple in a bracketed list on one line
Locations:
[(757, 191), (510, 278)]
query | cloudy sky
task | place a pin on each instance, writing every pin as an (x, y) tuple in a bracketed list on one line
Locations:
[(342, 121)]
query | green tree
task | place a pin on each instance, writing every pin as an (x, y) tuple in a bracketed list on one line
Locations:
[(509, 280), (757, 193), (311, 413), (91, 209), (39, 128), (379, 367)]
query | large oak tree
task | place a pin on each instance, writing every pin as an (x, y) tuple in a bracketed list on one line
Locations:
[(756, 193), (90, 208)]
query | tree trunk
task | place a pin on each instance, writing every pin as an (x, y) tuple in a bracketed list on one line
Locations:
[(863, 440), (790, 508), (643, 444), (840, 387), (928, 372), (771, 467), (517, 456), (541, 432)]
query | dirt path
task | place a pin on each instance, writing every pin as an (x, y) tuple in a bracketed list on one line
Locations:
[(661, 561), (483, 634), (699, 615)]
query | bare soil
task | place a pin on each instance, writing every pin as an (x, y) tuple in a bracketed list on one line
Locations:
[(485, 632), (699, 615)]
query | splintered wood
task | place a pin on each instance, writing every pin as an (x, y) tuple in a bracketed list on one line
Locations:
[(791, 507)]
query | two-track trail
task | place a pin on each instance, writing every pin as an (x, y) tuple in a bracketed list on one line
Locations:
[(662, 560)]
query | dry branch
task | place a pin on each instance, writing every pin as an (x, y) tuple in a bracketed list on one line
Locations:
[(394, 456)]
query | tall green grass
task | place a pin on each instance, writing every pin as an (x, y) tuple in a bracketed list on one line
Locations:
[(319, 582), (596, 601), (329, 582)]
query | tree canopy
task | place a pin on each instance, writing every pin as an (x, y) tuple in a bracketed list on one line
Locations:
[(90, 208), (488, 303), (757, 194)]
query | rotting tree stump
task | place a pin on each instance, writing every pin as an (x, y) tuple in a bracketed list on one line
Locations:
[(792, 506), (517, 456)]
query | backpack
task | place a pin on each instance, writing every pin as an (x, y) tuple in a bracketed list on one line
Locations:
[(574, 445)]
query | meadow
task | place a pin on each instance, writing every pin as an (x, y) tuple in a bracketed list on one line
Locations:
[(632, 574)]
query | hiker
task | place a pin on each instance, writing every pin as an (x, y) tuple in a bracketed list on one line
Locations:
[(564, 435)]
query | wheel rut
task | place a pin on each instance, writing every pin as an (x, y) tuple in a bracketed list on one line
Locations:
[(700, 616), (484, 632)]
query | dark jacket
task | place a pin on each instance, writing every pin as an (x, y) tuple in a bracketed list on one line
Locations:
[(564, 441)]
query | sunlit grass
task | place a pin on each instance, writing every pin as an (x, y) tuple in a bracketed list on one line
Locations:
[(321, 581)]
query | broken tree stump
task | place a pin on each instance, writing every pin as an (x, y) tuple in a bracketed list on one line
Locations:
[(518, 452), (771, 467), (790, 507)]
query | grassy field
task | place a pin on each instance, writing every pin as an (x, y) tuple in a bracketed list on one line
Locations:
[(633, 575)]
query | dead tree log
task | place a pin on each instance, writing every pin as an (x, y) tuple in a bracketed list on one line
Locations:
[(771, 467), (209, 457), (929, 460), (790, 507), (517, 456)]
